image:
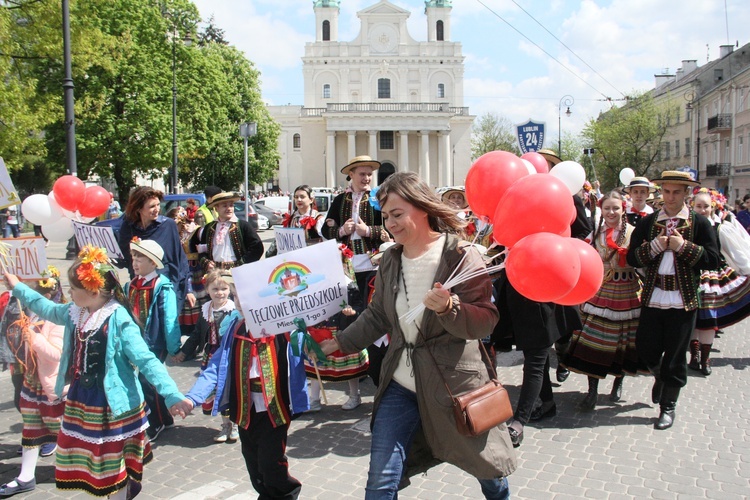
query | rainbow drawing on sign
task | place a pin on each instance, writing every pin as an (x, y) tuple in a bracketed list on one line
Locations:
[(289, 278)]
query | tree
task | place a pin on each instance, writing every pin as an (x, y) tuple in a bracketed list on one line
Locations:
[(493, 132), (627, 136)]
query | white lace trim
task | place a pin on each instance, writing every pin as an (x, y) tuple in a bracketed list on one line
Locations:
[(610, 314), (107, 439), (207, 310), (100, 315), (44, 401)]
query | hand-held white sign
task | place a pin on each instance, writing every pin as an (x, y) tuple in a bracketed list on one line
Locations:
[(98, 236), (289, 238), (8, 194), (309, 283), (25, 257)]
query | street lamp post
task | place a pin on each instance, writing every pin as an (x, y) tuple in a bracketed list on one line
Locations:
[(567, 101), (70, 123), (174, 108), (247, 130)]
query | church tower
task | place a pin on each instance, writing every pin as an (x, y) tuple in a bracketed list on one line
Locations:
[(326, 20), (438, 20)]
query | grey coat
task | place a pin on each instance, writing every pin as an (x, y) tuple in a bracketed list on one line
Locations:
[(452, 339)]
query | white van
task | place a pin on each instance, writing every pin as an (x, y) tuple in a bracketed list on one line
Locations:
[(280, 203)]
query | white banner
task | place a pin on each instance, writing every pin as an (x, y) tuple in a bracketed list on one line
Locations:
[(289, 239), (25, 257), (8, 194), (307, 283), (98, 236)]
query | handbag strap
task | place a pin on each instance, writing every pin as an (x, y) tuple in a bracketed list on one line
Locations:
[(491, 369)]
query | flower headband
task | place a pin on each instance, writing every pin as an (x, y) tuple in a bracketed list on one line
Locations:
[(717, 198), (50, 278), (93, 268)]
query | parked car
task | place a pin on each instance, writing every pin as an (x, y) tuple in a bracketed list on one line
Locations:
[(180, 200), (281, 203), (263, 223), (275, 217), (239, 211)]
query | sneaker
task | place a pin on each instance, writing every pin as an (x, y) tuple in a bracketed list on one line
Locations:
[(234, 434), (315, 405), (48, 449), (223, 434), (153, 433), (352, 402)]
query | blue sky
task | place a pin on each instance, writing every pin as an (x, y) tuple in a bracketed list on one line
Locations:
[(625, 41)]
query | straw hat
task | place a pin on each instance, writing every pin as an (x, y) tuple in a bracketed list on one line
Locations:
[(676, 177), (221, 197), (639, 182), (550, 156), (360, 161), (150, 249), (445, 195)]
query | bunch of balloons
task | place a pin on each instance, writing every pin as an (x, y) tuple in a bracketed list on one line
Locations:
[(532, 215), (70, 200)]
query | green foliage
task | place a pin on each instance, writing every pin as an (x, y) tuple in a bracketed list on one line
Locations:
[(493, 132), (627, 136), (123, 73)]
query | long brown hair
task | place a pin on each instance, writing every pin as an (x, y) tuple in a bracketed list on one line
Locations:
[(137, 200), (415, 191), (621, 237)]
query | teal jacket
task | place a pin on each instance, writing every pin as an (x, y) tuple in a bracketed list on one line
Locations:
[(162, 329), (126, 349)]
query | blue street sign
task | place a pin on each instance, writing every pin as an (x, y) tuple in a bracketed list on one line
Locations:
[(530, 136)]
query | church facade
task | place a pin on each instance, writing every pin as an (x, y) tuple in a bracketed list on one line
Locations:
[(383, 94)]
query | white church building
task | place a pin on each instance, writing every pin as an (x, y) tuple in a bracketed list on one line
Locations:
[(383, 94)]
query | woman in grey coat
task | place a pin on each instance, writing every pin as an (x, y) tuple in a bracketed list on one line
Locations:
[(412, 403)]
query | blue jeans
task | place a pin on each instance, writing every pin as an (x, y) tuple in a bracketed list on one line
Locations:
[(396, 422)]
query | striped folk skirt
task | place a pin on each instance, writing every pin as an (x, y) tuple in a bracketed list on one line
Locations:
[(606, 343), (97, 452), (337, 366), (41, 417), (725, 298)]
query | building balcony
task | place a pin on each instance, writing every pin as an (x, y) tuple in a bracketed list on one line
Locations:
[(718, 170), (386, 107), (719, 123)]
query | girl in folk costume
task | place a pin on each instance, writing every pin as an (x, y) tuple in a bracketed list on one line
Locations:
[(335, 368), (41, 409), (191, 310), (207, 336), (725, 293), (606, 343), (102, 443)]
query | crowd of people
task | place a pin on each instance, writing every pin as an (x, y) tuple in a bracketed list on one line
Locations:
[(89, 373)]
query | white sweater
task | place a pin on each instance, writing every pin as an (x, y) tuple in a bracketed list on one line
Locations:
[(419, 276)]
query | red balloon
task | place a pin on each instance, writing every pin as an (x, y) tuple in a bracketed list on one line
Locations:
[(534, 204), (68, 191), (95, 201), (539, 162), (543, 267), (489, 178), (592, 271)]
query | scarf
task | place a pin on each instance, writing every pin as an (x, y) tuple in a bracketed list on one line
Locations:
[(622, 252)]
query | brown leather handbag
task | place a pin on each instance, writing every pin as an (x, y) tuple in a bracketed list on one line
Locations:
[(479, 410)]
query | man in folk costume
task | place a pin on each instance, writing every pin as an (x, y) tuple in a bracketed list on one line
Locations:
[(353, 221), (639, 189), (673, 244), (228, 242)]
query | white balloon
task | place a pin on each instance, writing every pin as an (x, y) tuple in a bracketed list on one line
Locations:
[(529, 166), (62, 230), (571, 173), (38, 210), (53, 201), (626, 175)]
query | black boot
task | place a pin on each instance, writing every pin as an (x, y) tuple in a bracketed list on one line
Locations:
[(589, 402), (695, 350), (667, 407), (705, 362), (616, 392), (658, 386)]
